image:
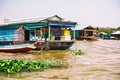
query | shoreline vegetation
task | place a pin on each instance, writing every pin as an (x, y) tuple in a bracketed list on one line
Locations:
[(18, 66)]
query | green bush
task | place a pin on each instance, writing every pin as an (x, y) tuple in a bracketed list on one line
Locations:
[(78, 52), (16, 66)]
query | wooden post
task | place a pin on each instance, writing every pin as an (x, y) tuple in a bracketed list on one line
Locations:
[(74, 34), (84, 33), (48, 31)]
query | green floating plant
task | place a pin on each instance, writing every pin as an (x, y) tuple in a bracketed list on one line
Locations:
[(78, 52), (17, 66)]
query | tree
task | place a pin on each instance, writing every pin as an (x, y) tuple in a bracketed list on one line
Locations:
[(118, 28), (107, 30)]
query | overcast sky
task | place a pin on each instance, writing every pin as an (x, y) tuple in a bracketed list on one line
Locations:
[(105, 13)]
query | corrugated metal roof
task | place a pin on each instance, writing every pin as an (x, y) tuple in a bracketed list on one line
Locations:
[(32, 20), (117, 32)]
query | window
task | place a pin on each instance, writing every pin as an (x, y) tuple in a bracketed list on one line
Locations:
[(32, 35)]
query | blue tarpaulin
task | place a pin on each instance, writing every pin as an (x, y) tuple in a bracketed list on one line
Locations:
[(62, 24), (9, 27)]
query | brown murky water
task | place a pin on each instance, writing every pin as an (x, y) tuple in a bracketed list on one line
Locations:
[(101, 62)]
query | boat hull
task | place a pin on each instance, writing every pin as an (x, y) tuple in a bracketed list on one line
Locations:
[(60, 45), (15, 49), (56, 45)]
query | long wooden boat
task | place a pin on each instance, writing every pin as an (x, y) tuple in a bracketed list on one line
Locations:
[(55, 45), (60, 45), (16, 48)]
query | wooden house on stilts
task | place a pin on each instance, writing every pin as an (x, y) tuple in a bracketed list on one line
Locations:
[(46, 33), (87, 33)]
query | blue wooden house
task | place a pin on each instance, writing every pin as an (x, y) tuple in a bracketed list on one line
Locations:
[(104, 35), (53, 30), (7, 31)]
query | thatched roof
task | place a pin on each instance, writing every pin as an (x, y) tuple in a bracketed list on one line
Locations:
[(90, 28)]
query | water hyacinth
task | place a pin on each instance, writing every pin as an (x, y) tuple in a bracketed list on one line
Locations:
[(16, 66), (78, 52)]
